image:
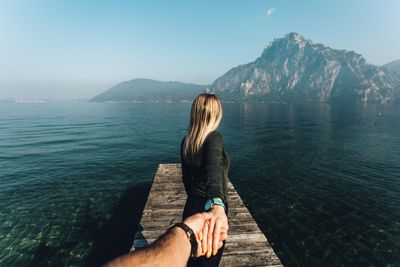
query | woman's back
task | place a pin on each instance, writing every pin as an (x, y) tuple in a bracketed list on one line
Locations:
[(210, 178)]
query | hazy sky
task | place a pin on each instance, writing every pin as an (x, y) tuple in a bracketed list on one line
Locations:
[(75, 49)]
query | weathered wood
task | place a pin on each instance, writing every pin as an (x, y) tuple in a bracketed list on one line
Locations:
[(246, 244)]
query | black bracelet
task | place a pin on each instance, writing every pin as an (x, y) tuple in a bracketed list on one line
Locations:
[(190, 235)]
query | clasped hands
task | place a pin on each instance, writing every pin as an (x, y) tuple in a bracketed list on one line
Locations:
[(210, 228)]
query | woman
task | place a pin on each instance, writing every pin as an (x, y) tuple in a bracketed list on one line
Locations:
[(205, 167)]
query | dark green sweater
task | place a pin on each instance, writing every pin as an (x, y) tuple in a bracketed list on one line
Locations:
[(210, 179)]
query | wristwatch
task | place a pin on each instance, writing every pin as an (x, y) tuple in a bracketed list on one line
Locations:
[(190, 235), (212, 202)]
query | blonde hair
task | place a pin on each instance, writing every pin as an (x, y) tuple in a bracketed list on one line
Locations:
[(205, 116)]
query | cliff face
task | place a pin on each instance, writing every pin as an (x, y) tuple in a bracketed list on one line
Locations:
[(295, 69)]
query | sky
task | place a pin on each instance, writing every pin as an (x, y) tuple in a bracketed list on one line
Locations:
[(68, 49)]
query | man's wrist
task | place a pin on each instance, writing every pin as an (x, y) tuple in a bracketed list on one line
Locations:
[(190, 236), (181, 234)]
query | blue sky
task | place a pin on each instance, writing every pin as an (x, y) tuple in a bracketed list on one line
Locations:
[(74, 49)]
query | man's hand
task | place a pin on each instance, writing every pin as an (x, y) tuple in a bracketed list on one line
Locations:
[(196, 222)]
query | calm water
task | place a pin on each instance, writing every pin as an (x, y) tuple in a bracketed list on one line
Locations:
[(322, 181)]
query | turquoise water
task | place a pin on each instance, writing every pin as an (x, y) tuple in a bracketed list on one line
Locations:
[(322, 181)]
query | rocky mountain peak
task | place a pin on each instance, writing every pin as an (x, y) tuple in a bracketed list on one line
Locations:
[(295, 37), (293, 68), (292, 39)]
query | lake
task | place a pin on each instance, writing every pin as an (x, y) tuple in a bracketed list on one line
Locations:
[(322, 181)]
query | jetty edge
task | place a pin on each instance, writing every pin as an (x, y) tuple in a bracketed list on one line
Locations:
[(246, 244)]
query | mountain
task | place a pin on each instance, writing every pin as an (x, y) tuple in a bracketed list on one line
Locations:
[(293, 69), (146, 90), (393, 66)]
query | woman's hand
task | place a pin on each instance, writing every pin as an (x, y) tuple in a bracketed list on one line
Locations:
[(215, 231)]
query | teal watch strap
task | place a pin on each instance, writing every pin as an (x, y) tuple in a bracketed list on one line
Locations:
[(213, 201)]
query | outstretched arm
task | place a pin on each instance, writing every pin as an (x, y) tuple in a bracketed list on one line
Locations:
[(171, 249), (213, 162), (213, 166)]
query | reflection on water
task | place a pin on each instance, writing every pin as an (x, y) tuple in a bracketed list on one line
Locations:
[(322, 181)]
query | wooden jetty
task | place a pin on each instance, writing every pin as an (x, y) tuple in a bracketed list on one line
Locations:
[(246, 244)]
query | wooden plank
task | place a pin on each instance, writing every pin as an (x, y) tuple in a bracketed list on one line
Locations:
[(246, 244)]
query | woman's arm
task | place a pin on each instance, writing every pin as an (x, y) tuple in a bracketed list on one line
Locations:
[(213, 166), (213, 163)]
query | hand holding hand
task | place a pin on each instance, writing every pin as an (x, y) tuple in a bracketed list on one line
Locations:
[(210, 229), (215, 231), (197, 223)]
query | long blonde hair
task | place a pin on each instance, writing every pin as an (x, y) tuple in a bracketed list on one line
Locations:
[(205, 116)]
